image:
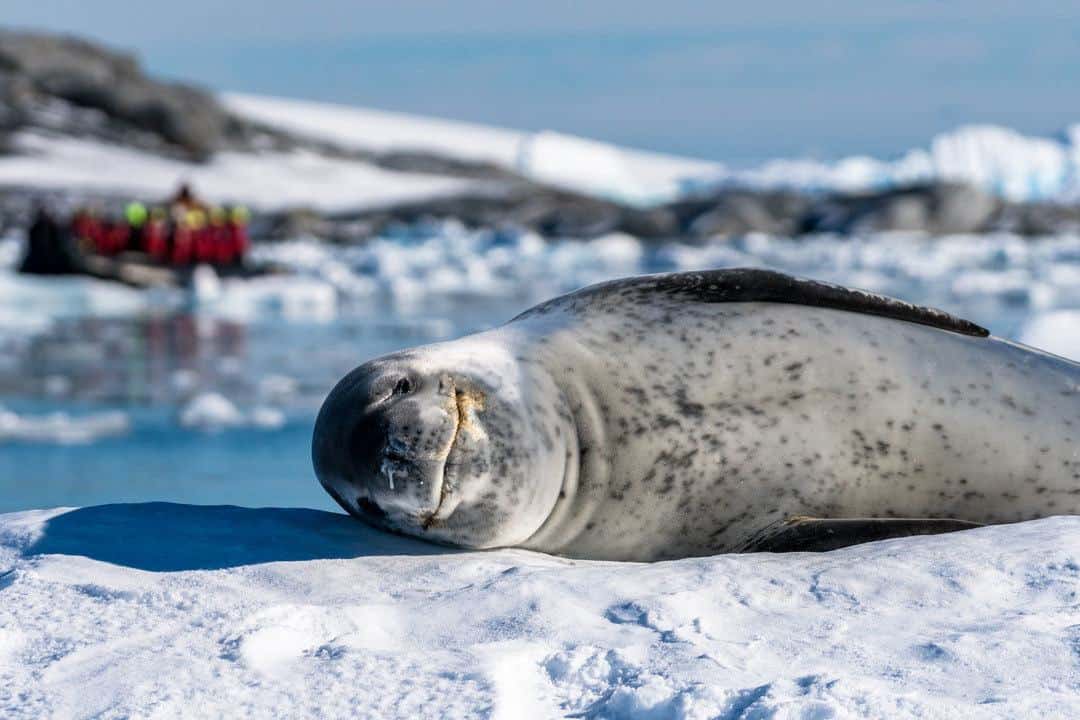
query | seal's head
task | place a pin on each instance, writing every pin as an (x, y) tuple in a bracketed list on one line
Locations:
[(446, 442)]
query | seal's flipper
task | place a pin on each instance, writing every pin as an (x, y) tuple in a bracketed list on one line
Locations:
[(805, 534)]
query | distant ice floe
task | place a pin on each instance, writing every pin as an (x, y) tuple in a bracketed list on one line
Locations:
[(212, 412), (61, 427), (998, 160), (289, 297)]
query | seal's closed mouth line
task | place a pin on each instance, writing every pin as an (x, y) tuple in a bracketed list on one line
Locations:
[(444, 489)]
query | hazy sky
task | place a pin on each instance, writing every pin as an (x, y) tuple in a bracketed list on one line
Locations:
[(733, 81)]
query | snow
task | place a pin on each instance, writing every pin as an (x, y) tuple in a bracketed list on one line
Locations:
[(266, 181), (999, 160), (213, 411), (151, 610), (588, 166)]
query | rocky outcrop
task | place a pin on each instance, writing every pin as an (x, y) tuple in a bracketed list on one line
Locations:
[(938, 209), (38, 72), (932, 209)]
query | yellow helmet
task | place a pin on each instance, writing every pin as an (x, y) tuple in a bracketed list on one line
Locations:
[(240, 215)]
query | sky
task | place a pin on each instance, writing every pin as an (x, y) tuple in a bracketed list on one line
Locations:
[(731, 81)]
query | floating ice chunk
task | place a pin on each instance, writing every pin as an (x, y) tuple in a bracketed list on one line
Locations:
[(266, 417), (56, 385), (205, 285), (277, 386), (61, 427), (213, 412), (210, 411), (184, 380)]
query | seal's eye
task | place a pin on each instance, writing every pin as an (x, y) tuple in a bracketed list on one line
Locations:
[(403, 387)]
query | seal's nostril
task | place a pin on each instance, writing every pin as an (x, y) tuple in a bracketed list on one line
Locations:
[(396, 456)]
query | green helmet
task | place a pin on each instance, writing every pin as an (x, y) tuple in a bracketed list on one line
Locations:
[(135, 213)]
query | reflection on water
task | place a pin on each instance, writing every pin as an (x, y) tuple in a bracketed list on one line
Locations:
[(62, 389)]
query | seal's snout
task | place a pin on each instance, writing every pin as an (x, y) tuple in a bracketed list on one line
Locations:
[(381, 441)]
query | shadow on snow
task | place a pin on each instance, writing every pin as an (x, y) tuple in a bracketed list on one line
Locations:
[(163, 536)]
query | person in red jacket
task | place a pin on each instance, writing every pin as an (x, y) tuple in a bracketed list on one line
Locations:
[(89, 231), (237, 235), (185, 230), (155, 236)]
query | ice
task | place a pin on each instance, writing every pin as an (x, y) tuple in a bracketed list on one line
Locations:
[(999, 160), (291, 298), (28, 300), (274, 612), (213, 412), (61, 427)]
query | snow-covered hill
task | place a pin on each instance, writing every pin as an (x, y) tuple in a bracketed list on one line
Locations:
[(997, 160), (166, 610)]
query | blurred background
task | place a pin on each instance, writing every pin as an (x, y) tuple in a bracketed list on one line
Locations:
[(210, 212)]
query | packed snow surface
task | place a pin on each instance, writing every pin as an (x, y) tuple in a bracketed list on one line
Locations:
[(161, 610)]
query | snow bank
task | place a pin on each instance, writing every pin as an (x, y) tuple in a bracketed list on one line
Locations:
[(151, 610), (587, 166), (267, 181)]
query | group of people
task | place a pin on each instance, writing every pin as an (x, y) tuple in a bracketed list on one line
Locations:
[(185, 232)]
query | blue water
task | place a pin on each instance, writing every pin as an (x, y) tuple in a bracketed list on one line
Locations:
[(159, 462), (133, 365)]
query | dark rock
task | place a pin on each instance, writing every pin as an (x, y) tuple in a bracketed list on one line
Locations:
[(937, 209), (86, 75), (736, 212), (1039, 218), (430, 164), (650, 224)]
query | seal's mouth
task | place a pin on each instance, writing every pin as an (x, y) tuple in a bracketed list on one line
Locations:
[(434, 518)]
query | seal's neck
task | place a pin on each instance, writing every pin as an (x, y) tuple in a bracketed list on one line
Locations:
[(587, 466)]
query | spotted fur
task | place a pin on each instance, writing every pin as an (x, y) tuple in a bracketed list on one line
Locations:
[(670, 416)]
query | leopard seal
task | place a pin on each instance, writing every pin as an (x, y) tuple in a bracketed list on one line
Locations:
[(686, 414)]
